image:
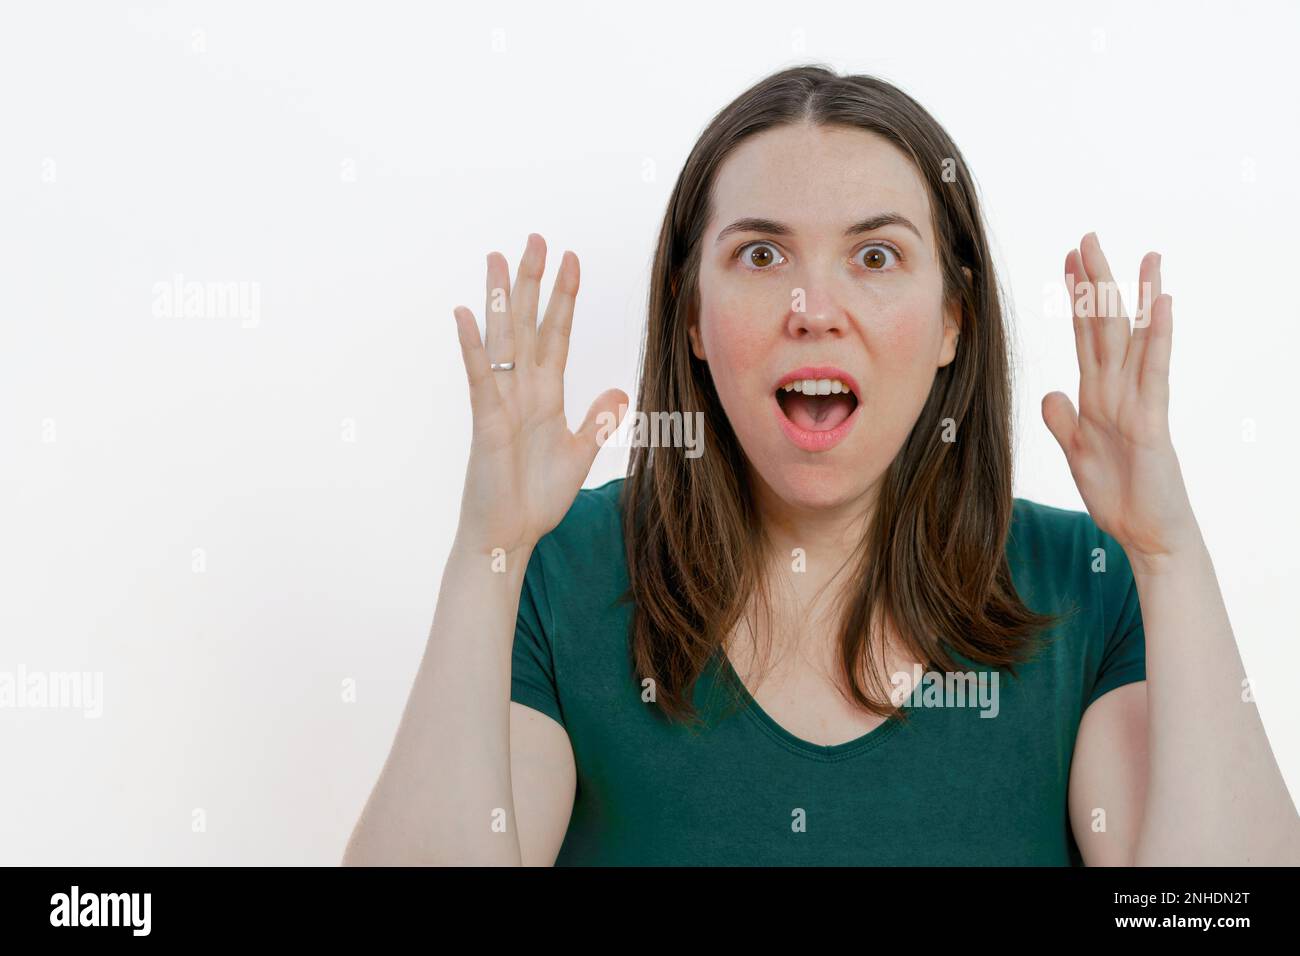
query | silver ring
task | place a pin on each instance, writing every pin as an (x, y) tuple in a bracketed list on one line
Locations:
[(502, 366)]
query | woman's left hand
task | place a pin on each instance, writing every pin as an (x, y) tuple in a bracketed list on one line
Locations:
[(1117, 444)]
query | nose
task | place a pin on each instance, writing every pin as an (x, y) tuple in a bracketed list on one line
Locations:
[(815, 314)]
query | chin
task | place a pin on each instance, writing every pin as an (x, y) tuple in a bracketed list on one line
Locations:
[(818, 484), (817, 487)]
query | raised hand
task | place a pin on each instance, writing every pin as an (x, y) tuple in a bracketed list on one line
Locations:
[(1117, 444), (525, 465)]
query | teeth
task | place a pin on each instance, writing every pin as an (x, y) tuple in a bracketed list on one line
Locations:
[(817, 386)]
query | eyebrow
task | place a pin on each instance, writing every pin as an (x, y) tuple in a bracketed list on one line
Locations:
[(775, 228)]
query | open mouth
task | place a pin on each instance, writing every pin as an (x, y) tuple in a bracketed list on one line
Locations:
[(817, 405)]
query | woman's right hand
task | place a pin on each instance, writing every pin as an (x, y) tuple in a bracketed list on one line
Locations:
[(525, 466)]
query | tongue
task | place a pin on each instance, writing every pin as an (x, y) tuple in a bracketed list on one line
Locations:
[(817, 413)]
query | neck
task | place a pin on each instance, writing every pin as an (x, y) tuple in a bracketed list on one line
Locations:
[(806, 593), (828, 536)]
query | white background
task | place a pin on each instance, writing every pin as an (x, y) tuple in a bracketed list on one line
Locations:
[(357, 162)]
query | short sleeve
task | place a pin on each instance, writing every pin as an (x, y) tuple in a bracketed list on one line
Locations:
[(1124, 653), (532, 666)]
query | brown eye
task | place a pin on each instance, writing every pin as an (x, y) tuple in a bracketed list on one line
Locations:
[(877, 257), (759, 258)]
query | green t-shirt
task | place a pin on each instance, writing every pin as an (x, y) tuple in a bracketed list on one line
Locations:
[(981, 784)]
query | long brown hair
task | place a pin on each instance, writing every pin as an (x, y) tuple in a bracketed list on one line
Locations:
[(933, 559)]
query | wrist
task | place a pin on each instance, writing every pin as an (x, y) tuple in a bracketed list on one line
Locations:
[(1191, 553), (474, 546)]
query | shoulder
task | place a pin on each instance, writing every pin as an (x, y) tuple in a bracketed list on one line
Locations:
[(1059, 551), (577, 578), (595, 511), (1042, 531), (587, 544), (1035, 523)]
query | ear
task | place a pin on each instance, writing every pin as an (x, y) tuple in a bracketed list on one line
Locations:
[(697, 344), (952, 328)]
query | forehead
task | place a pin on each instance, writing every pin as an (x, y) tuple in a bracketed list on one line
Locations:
[(819, 179)]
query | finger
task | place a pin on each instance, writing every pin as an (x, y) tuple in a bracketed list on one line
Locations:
[(500, 322), (1061, 419), (553, 345), (602, 420), (1080, 310), (1148, 292), (483, 395), (1153, 380), (523, 298), (1111, 322)]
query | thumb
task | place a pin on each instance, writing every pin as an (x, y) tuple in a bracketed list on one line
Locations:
[(1061, 419), (602, 420)]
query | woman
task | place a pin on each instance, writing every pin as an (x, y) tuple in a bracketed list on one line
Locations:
[(834, 637)]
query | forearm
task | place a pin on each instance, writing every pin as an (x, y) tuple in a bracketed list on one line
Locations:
[(1215, 795), (444, 796)]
